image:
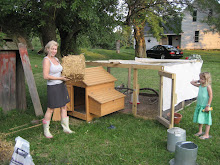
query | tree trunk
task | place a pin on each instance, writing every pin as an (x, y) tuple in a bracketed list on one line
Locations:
[(48, 31), (68, 44), (118, 46), (140, 46)]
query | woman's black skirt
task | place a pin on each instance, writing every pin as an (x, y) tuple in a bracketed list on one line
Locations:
[(57, 96)]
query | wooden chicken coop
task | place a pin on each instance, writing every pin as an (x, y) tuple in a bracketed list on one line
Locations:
[(95, 96)]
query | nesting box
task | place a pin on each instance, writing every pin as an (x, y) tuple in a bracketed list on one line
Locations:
[(95, 96), (12, 80)]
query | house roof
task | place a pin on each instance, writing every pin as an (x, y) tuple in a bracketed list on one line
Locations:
[(97, 75), (8, 45), (172, 27)]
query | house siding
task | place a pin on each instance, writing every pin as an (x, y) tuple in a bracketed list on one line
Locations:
[(153, 42), (207, 40)]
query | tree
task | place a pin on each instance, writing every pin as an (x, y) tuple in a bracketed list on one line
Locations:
[(212, 9), (14, 23), (155, 13), (63, 18)]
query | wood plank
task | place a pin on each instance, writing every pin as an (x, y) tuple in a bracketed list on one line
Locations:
[(77, 114), (183, 104), (20, 84), (8, 80), (97, 82), (148, 60), (105, 86), (106, 95), (30, 79), (160, 118), (166, 74), (129, 78), (89, 116), (163, 121), (135, 91), (100, 71), (137, 66), (76, 83), (173, 100), (112, 106), (106, 108), (97, 75), (69, 105), (160, 107)]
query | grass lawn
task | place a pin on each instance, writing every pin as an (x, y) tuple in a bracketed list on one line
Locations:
[(135, 141)]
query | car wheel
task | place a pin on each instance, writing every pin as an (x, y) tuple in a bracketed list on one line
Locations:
[(162, 56)]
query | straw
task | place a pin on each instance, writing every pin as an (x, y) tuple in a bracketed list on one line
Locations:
[(74, 67)]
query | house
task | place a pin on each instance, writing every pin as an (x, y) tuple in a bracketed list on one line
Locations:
[(194, 34), (170, 37)]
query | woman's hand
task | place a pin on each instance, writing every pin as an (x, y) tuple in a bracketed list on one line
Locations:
[(65, 79)]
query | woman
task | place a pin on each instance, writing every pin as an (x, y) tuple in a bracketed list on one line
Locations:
[(57, 94)]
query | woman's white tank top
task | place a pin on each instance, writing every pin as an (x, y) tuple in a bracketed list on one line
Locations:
[(55, 70)]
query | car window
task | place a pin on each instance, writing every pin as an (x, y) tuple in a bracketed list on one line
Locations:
[(169, 47), (154, 48), (160, 48)]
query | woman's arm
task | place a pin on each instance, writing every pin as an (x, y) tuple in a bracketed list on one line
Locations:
[(46, 71), (195, 83)]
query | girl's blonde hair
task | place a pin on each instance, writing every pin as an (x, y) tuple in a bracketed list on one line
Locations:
[(50, 44), (207, 77)]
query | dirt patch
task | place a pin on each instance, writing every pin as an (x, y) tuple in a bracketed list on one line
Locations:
[(148, 107), (75, 121)]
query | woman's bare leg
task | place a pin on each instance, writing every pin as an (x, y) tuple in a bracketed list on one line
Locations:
[(48, 114)]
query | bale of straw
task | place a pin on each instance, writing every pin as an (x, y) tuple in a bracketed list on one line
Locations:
[(6, 150), (74, 67)]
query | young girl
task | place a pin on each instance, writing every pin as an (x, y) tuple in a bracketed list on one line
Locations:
[(204, 100)]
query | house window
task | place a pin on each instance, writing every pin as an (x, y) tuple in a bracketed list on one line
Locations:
[(194, 15), (196, 36), (210, 13)]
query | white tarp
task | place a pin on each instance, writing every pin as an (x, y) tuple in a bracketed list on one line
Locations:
[(185, 72)]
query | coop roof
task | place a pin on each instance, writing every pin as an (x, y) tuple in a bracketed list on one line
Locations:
[(105, 96), (97, 75)]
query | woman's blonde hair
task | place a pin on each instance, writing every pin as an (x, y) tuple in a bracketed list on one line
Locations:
[(50, 44), (207, 77)]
